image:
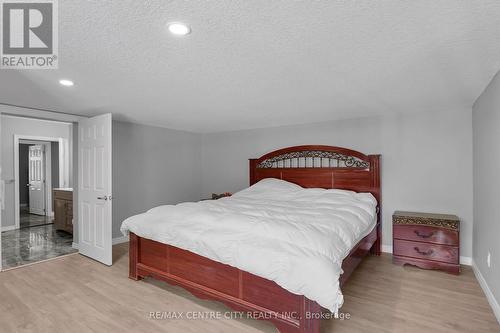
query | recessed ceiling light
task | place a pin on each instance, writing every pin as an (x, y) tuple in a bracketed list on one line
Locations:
[(179, 29), (67, 83)]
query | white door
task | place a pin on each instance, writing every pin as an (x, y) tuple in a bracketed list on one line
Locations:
[(94, 188), (36, 178)]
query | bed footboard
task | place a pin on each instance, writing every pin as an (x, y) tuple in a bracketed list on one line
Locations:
[(207, 279), (241, 291)]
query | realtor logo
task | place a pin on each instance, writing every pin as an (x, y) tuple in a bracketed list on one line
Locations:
[(29, 34)]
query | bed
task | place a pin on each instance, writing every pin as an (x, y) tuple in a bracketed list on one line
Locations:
[(326, 176)]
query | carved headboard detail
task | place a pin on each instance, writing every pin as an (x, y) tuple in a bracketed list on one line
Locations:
[(313, 159), (320, 166)]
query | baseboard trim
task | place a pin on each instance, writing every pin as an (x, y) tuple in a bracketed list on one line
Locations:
[(487, 291), (119, 240), (387, 248), (463, 260), (8, 228)]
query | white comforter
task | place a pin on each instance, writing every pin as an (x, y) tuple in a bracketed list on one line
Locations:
[(274, 229)]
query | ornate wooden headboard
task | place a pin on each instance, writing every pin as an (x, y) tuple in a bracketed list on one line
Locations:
[(321, 166)]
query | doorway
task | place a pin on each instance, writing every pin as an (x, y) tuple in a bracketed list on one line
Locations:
[(85, 165), (40, 166), (41, 175), (38, 163)]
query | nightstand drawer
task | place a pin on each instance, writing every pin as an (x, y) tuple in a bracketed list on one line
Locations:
[(426, 251), (422, 233)]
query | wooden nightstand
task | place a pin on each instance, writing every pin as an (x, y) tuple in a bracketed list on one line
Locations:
[(430, 241)]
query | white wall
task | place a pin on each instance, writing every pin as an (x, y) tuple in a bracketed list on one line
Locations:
[(486, 129), (152, 166), (426, 160), (23, 126)]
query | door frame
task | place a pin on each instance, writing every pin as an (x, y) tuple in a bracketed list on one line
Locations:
[(19, 111), (47, 170), (63, 169)]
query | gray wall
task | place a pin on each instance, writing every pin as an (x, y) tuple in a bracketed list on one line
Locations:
[(486, 139), (426, 162), (26, 126), (426, 159), (23, 174), (152, 166)]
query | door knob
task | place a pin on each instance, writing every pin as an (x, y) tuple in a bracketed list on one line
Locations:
[(103, 198)]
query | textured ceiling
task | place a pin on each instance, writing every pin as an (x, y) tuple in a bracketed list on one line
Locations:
[(260, 63)]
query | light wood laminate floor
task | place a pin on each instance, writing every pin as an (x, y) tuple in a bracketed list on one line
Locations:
[(76, 294)]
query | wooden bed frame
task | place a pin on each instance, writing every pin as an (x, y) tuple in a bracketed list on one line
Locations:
[(308, 166)]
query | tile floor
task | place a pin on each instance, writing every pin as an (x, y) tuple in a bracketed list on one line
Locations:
[(27, 220), (36, 240)]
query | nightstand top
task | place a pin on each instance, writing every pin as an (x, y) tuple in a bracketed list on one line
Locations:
[(437, 220), (433, 216)]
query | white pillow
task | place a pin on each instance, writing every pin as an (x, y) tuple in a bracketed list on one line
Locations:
[(267, 186)]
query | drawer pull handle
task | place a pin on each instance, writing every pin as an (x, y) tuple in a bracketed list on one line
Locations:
[(423, 235), (427, 253)]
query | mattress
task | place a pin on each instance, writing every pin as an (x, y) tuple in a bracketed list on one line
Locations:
[(274, 229)]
